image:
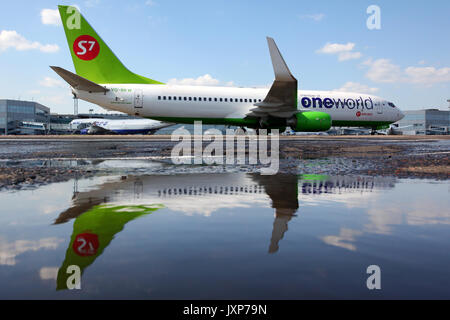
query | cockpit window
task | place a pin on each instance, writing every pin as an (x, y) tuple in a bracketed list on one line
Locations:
[(391, 104)]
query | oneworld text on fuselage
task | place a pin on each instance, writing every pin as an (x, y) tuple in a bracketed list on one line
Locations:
[(329, 103)]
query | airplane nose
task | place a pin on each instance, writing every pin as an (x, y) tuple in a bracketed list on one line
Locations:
[(401, 115)]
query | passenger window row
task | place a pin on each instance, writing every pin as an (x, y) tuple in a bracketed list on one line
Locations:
[(207, 99)]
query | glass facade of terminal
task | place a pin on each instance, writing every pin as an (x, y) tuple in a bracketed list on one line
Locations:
[(2, 113), (14, 112), (420, 122)]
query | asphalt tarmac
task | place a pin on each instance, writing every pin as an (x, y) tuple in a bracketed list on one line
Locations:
[(27, 161)]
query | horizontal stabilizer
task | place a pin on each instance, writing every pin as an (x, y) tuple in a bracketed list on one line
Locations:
[(78, 82)]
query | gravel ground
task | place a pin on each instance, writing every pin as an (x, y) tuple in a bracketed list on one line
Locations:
[(28, 163)]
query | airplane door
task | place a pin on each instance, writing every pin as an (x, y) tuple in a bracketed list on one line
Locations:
[(379, 107), (138, 99), (383, 106)]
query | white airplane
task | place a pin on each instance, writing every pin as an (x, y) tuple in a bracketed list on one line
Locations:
[(102, 79), (117, 126)]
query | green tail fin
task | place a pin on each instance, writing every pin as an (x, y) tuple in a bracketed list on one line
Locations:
[(92, 58)]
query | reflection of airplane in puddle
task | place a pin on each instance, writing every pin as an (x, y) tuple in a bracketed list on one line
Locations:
[(103, 212)]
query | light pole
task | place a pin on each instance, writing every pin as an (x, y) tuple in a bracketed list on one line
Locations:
[(6, 118), (448, 128), (75, 105)]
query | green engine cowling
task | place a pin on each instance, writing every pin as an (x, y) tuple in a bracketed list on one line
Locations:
[(311, 121)]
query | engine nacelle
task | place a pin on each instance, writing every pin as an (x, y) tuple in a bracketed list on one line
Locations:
[(310, 121)]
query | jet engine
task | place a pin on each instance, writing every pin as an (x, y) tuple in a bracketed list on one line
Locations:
[(310, 121)]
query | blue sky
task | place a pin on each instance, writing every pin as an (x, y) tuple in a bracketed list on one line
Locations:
[(326, 44)]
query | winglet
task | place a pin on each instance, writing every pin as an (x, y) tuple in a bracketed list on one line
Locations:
[(78, 82), (280, 68)]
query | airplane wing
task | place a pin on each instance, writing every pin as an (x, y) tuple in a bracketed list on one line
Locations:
[(78, 82), (95, 129), (282, 189), (281, 101)]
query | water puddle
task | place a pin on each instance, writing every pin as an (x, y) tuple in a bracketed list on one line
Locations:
[(240, 235)]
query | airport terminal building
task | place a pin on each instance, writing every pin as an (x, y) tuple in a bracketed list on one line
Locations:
[(19, 117), (425, 122), (23, 117)]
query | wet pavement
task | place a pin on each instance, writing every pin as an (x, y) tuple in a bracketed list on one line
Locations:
[(25, 163)]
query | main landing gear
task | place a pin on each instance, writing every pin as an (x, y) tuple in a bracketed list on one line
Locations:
[(374, 132)]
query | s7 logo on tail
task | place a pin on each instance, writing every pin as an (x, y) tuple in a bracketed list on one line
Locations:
[(86, 47)]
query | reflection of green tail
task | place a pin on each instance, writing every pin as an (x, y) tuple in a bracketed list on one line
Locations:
[(92, 233), (314, 177)]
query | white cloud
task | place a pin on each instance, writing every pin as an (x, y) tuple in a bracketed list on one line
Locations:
[(316, 17), (52, 83), (427, 75), (344, 239), (12, 39), (344, 51), (50, 17), (10, 250), (383, 70), (333, 48), (420, 210), (48, 273), (349, 56), (356, 87), (150, 3), (205, 80)]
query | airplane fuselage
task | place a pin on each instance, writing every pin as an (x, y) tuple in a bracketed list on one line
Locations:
[(231, 106)]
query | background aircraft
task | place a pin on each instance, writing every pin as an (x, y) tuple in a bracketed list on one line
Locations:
[(123, 126)]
